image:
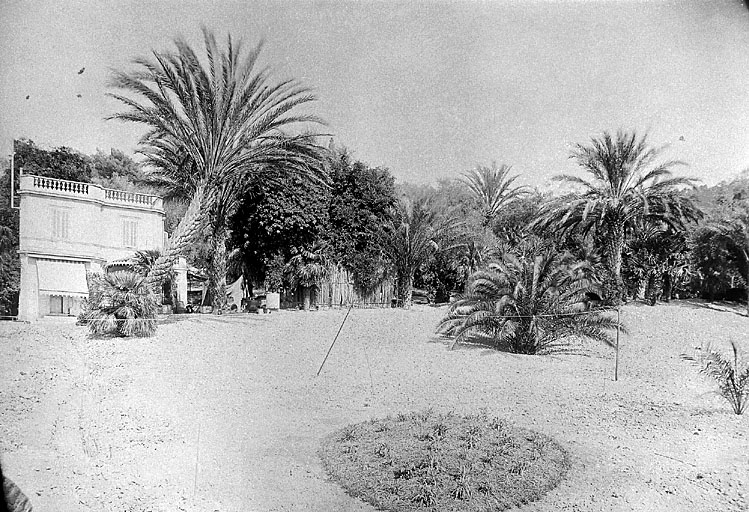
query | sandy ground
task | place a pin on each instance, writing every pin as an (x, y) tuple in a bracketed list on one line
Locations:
[(226, 414)]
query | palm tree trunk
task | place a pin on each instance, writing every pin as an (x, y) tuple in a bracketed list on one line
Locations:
[(405, 288), (217, 267), (651, 292), (307, 292), (667, 286), (187, 230)]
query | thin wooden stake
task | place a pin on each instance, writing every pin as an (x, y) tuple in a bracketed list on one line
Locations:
[(334, 339), (616, 364)]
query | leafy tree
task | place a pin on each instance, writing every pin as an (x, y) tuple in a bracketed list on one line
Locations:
[(214, 130), (721, 244), (61, 163), (115, 164), (713, 262), (526, 304), (512, 224), (10, 264), (362, 199), (493, 189), (733, 236), (628, 187), (274, 217)]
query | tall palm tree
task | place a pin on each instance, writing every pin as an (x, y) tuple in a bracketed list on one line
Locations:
[(628, 187), (492, 188), (213, 127), (529, 302), (415, 235)]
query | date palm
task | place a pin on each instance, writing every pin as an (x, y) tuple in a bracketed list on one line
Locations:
[(415, 234), (214, 126), (627, 187), (492, 188)]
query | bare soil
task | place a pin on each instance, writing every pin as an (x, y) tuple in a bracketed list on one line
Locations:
[(226, 413)]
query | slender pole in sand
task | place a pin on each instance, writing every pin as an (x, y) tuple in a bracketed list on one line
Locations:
[(334, 339), (616, 364)]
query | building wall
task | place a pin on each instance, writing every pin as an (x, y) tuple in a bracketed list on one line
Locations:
[(97, 228)]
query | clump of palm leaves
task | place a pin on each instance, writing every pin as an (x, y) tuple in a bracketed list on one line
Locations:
[(731, 374), (306, 267), (530, 302), (122, 305)]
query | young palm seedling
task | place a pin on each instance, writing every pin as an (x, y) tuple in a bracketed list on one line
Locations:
[(731, 374)]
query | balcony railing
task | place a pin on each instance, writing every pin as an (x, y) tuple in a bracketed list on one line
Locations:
[(52, 184), (77, 189), (129, 197)]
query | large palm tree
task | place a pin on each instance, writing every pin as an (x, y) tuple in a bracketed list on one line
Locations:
[(493, 189), (213, 127), (628, 187), (417, 232), (531, 301)]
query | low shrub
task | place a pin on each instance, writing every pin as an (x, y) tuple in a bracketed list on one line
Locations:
[(436, 461), (119, 304)]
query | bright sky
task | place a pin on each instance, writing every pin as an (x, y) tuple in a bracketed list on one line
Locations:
[(427, 89)]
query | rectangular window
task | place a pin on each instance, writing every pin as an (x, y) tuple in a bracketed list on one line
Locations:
[(60, 223), (130, 233), (55, 304)]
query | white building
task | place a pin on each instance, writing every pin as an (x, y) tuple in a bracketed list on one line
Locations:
[(68, 228)]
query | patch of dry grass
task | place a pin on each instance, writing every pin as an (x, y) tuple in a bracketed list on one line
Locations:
[(427, 461)]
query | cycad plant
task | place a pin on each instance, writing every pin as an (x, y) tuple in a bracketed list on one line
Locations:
[(125, 306), (529, 302), (731, 374)]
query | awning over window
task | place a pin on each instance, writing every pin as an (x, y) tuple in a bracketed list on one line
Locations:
[(67, 278)]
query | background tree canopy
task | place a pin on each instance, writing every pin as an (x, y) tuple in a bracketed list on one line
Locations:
[(358, 218)]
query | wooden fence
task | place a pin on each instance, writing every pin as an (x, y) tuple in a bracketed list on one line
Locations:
[(338, 290)]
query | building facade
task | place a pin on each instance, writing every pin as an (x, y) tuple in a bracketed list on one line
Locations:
[(68, 228)]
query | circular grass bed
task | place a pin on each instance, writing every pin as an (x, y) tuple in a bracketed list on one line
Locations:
[(427, 461)]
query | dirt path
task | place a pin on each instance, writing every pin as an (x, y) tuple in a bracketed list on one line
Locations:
[(227, 414)]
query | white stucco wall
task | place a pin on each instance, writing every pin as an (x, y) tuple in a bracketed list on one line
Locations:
[(94, 231), (95, 227)]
